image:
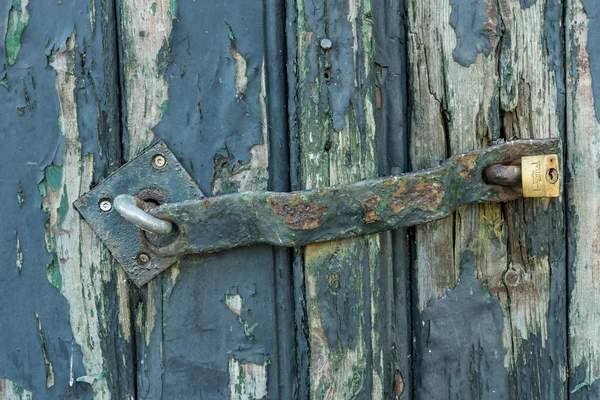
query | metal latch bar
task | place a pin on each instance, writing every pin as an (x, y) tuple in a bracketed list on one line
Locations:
[(298, 218)]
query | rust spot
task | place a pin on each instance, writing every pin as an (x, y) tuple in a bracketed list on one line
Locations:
[(491, 25), (309, 36), (425, 196), (468, 163), (334, 281), (207, 202), (378, 97), (511, 277), (296, 214), (398, 384), (370, 207)]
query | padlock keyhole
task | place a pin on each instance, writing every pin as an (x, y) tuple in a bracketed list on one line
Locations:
[(552, 175)]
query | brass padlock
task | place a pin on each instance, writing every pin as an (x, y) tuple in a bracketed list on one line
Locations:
[(540, 176)]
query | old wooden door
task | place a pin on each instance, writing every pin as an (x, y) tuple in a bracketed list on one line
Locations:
[(496, 301)]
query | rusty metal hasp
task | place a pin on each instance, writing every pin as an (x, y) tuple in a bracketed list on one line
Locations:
[(150, 212)]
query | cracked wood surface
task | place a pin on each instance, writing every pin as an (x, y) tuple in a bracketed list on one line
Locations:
[(483, 71), (336, 125), (69, 332), (489, 284), (207, 82), (583, 128)]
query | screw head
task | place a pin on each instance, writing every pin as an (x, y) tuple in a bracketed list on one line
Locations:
[(159, 161), (105, 205), (143, 258)]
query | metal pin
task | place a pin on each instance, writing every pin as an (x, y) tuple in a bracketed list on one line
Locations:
[(159, 161)]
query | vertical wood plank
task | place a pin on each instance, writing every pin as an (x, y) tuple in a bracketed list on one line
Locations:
[(484, 71), (532, 105), (453, 87), (583, 128), (391, 104), (336, 124), (68, 312), (207, 80), (144, 32)]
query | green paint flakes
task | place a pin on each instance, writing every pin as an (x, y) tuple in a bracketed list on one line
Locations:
[(89, 379), (4, 82), (63, 208), (60, 125), (19, 391), (153, 8), (163, 108), (578, 387), (10, 390), (17, 21), (53, 175), (247, 380), (42, 188), (173, 8), (53, 273)]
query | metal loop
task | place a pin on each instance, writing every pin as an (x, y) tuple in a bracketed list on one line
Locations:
[(504, 175), (129, 208)]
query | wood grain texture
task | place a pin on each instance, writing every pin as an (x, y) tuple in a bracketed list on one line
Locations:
[(482, 71), (206, 81), (336, 127), (583, 128), (532, 106), (144, 30), (391, 104), (68, 316)]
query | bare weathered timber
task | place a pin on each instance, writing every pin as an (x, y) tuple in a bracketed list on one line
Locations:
[(583, 128), (144, 100), (336, 128), (66, 329), (483, 71), (532, 105), (208, 81)]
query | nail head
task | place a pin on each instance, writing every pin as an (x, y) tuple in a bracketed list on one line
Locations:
[(326, 44)]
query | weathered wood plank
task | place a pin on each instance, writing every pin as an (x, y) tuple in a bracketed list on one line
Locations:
[(207, 82), (532, 106), (336, 125), (583, 128), (483, 71), (391, 104), (144, 30), (68, 312)]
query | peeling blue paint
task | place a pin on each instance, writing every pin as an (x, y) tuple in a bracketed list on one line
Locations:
[(527, 3), (468, 19), (459, 342), (32, 159), (592, 9)]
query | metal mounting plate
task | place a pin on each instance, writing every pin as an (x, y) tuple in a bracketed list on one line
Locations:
[(141, 178)]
